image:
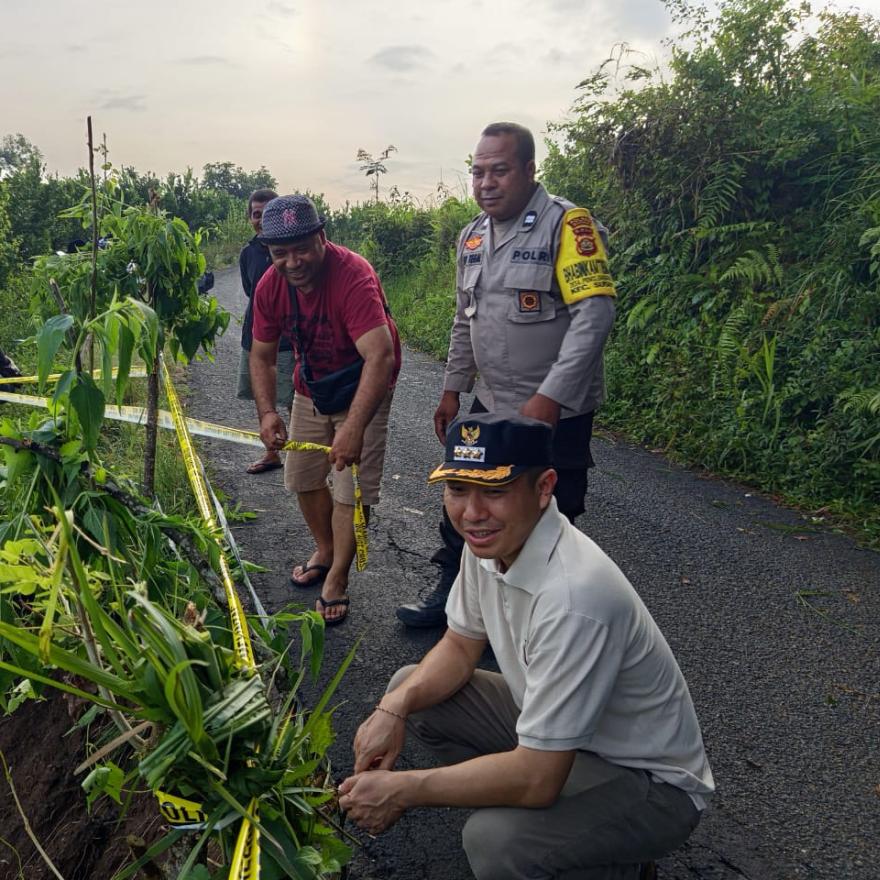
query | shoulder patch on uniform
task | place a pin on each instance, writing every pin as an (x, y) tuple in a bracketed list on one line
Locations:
[(581, 262)]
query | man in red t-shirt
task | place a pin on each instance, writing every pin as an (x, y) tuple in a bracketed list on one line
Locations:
[(331, 304)]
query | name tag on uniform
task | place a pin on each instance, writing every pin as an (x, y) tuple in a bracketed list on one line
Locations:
[(531, 256)]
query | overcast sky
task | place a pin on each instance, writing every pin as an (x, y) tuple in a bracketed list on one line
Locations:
[(301, 85)]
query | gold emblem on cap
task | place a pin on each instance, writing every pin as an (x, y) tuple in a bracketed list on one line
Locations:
[(470, 435)]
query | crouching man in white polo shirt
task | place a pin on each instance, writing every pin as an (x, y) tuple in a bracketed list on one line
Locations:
[(584, 757)]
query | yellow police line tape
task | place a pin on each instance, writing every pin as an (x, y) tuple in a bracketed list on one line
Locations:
[(54, 377), (233, 549), (360, 519), (245, 864), (138, 416), (181, 812), (240, 639), (177, 811)]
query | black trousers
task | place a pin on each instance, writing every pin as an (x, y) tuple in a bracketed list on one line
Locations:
[(571, 458)]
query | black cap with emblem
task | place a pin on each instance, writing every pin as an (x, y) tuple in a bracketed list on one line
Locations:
[(490, 450)]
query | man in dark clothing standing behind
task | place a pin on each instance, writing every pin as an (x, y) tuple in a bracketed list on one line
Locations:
[(252, 263)]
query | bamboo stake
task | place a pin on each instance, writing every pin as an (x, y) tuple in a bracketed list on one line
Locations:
[(93, 303)]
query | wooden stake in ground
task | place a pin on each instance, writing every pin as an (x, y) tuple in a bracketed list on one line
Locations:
[(93, 300)]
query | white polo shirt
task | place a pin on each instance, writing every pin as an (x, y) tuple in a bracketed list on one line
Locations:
[(582, 656)]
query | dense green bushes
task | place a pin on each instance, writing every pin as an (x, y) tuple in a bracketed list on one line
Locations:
[(743, 194)]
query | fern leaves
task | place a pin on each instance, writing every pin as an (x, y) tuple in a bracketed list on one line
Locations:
[(717, 197), (756, 268)]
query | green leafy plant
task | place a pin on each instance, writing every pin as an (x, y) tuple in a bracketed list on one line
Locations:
[(741, 192), (98, 600), (150, 259)]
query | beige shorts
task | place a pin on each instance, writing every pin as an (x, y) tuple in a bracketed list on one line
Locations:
[(307, 471)]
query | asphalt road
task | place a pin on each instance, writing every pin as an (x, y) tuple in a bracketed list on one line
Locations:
[(773, 619)]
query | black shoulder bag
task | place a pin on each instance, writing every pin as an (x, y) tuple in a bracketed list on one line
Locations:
[(331, 393)]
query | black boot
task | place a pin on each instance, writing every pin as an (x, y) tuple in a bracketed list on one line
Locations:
[(430, 612)]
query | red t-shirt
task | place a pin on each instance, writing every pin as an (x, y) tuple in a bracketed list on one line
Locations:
[(346, 303)]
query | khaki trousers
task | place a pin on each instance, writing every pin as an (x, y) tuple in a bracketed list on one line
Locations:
[(607, 820)]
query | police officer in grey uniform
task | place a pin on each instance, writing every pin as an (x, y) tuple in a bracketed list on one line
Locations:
[(532, 329)]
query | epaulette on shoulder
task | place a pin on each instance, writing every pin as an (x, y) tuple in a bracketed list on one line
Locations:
[(565, 204), (472, 225)]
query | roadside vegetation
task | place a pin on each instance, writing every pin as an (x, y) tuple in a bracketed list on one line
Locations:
[(119, 592), (743, 191)]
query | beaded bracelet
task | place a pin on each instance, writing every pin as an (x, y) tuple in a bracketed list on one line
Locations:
[(389, 712)]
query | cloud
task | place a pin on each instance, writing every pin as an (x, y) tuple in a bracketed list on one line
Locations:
[(558, 58), (402, 58), (507, 51), (566, 6), (207, 60), (134, 103), (283, 9)]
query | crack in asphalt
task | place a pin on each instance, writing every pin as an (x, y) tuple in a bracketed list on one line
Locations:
[(392, 543)]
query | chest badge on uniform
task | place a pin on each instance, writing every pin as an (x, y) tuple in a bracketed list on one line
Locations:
[(529, 301), (529, 219), (473, 242)]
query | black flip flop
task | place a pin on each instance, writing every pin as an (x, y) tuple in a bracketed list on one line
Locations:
[(314, 582), (262, 466), (329, 603)]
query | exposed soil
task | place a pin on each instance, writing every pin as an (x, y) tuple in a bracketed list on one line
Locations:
[(42, 748)]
